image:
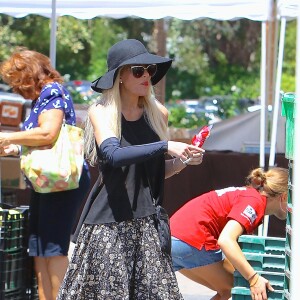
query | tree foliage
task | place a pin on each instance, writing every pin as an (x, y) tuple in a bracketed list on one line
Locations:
[(210, 57), (288, 82), (9, 37)]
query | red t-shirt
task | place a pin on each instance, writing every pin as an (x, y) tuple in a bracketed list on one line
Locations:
[(200, 221)]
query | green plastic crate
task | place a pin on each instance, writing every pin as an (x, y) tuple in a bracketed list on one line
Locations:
[(13, 227), (287, 280), (287, 295), (288, 102), (266, 262), (12, 270), (241, 293), (260, 244), (276, 279)]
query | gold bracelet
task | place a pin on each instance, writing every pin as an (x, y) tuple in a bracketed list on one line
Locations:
[(252, 284), (252, 276), (175, 172)]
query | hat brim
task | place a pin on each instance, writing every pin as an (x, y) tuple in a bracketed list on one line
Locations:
[(106, 81)]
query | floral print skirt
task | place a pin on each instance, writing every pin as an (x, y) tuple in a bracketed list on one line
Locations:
[(120, 261)]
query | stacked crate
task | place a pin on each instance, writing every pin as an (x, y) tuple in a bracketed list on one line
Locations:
[(267, 257), (288, 108), (14, 261), (288, 249)]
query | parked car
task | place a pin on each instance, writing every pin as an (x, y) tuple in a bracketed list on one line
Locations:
[(4, 88), (193, 106), (80, 90)]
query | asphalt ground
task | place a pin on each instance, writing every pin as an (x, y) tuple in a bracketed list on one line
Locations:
[(191, 290)]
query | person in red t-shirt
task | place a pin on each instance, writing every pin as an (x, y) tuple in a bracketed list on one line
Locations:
[(206, 229)]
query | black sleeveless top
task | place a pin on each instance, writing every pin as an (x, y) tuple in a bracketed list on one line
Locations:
[(124, 193)]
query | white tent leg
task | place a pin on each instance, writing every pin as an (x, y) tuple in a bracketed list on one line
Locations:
[(262, 100), (263, 95), (295, 270), (277, 93), (53, 35), (276, 109)]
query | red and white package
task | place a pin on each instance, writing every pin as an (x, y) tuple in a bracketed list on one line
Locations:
[(199, 139)]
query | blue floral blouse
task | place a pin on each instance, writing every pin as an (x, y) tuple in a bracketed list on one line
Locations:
[(52, 96)]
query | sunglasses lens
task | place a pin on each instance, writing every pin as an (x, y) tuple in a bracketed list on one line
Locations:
[(152, 70), (137, 71)]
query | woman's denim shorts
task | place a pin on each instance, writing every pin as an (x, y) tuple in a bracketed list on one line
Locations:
[(185, 256)]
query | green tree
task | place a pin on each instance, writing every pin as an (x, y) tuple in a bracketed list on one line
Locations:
[(288, 82), (9, 38), (105, 32), (208, 59)]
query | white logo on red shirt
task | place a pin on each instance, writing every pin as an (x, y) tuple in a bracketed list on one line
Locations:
[(229, 189), (250, 214)]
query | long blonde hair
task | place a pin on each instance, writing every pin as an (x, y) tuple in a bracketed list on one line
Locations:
[(270, 183), (111, 101)]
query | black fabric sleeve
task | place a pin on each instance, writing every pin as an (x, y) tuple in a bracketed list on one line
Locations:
[(116, 156)]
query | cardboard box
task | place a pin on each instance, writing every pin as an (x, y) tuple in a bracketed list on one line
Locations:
[(11, 175)]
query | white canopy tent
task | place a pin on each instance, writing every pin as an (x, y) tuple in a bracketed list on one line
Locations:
[(149, 9), (258, 10)]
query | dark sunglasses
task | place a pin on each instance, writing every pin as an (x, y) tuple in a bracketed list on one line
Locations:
[(138, 71)]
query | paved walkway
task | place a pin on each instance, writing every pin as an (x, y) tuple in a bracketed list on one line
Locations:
[(191, 290)]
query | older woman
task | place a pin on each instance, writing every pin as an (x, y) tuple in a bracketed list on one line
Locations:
[(52, 215)]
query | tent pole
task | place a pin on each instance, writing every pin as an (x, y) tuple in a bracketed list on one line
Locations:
[(277, 93), (262, 101), (263, 96), (295, 270), (276, 109), (53, 35), (275, 96)]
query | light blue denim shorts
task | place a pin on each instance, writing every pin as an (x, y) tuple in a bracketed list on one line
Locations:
[(185, 256)]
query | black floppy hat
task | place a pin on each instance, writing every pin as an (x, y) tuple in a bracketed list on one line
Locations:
[(130, 52)]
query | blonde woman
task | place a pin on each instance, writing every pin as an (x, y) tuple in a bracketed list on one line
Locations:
[(118, 255)]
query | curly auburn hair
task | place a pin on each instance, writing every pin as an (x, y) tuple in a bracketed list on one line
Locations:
[(27, 71)]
